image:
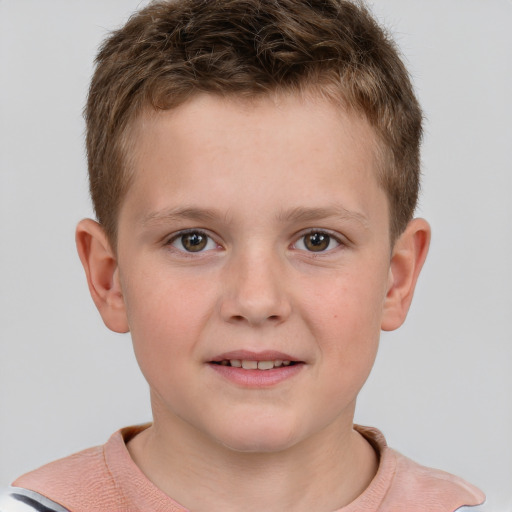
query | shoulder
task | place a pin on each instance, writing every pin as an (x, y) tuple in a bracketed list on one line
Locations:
[(79, 482), (402, 485), (15, 499), (420, 488)]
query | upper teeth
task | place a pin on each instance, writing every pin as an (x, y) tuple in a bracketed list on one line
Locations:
[(246, 364)]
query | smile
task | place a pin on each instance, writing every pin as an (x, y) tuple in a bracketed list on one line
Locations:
[(248, 364), (249, 369)]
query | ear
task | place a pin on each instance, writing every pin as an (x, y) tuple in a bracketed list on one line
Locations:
[(100, 265), (407, 259)]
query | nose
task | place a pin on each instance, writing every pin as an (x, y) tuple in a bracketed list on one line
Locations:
[(254, 290)]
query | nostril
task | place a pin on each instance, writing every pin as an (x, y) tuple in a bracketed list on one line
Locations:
[(251, 320)]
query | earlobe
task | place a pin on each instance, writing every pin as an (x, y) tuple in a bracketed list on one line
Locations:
[(407, 259), (100, 265)]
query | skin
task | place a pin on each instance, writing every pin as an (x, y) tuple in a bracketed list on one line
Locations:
[(255, 177)]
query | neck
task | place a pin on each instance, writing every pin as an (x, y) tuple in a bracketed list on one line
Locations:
[(323, 473)]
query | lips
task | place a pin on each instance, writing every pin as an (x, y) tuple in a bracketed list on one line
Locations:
[(256, 369), (249, 364)]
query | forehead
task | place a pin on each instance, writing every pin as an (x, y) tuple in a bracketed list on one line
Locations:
[(295, 150)]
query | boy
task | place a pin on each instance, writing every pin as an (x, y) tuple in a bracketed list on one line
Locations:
[(254, 169)]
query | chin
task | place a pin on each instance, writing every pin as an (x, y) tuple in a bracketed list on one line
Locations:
[(259, 438)]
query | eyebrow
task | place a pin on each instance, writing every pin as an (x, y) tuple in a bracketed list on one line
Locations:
[(298, 214), (185, 213), (305, 214)]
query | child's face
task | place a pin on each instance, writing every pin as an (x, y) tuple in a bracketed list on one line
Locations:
[(255, 231)]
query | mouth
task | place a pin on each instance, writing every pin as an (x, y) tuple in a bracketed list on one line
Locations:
[(263, 369), (249, 364)]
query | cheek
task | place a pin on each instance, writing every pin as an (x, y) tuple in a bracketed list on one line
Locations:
[(164, 302), (345, 319), (166, 316), (345, 306)]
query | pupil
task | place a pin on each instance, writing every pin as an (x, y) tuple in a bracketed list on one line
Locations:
[(193, 242), (317, 242)]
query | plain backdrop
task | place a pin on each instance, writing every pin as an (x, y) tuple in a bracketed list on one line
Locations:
[(441, 389)]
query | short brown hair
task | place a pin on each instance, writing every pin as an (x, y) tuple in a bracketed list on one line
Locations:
[(172, 50)]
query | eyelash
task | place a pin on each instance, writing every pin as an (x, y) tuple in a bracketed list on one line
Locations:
[(198, 232), (331, 238), (323, 234)]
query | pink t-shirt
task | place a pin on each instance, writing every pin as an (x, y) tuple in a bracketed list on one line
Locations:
[(105, 478)]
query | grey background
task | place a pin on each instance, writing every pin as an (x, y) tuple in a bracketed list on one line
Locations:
[(442, 387)]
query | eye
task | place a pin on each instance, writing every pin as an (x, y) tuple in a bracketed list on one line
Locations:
[(317, 241), (193, 241)]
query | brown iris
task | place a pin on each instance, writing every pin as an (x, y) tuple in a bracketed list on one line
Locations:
[(194, 242), (317, 242)]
